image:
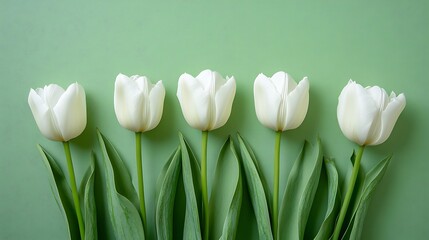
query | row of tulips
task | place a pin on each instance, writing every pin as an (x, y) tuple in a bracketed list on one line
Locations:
[(366, 116)]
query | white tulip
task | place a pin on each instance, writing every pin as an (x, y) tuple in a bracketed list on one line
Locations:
[(138, 103), (60, 115), (280, 103), (367, 115), (206, 100)]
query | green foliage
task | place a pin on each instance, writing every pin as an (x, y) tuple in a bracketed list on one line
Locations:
[(120, 194), (167, 193), (257, 190), (63, 196)]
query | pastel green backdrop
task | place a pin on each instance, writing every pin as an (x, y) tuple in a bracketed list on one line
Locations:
[(373, 42)]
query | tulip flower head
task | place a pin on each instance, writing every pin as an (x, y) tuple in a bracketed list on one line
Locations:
[(138, 103), (60, 114), (280, 103), (206, 100), (367, 115)]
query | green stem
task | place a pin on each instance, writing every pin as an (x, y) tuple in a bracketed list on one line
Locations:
[(140, 179), (204, 140), (276, 184), (349, 193), (74, 190)]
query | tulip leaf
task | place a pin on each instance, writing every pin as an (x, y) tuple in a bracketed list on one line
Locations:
[(167, 193), (62, 193), (88, 201), (371, 180), (328, 224), (256, 189), (192, 187), (124, 216), (300, 191), (227, 193)]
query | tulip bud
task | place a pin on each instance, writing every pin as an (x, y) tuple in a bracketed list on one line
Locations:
[(280, 103), (60, 115), (367, 115), (206, 100), (138, 103)]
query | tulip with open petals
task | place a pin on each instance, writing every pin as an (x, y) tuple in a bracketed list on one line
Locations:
[(138, 103), (206, 100), (367, 115), (280, 103), (60, 114)]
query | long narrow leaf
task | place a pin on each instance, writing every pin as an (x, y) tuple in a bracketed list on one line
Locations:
[(192, 228), (62, 193), (300, 190), (256, 191), (165, 204), (225, 201), (86, 193), (372, 179), (231, 221), (124, 216), (328, 223)]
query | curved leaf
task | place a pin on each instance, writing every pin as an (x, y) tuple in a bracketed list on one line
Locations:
[(165, 204), (256, 191), (86, 193), (192, 227), (372, 179), (62, 193), (328, 224), (300, 190), (125, 218), (226, 196)]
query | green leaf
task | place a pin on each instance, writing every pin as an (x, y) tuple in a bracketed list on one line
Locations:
[(62, 193), (328, 224), (256, 191), (86, 194), (300, 190), (226, 196), (372, 179), (165, 203), (124, 216), (191, 177)]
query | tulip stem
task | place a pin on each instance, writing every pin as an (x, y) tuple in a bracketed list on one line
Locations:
[(276, 184), (140, 179), (349, 193), (205, 135), (74, 190)]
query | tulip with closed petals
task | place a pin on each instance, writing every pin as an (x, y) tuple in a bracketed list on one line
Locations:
[(206, 100), (138, 103), (60, 114), (280, 103), (366, 116), (138, 106)]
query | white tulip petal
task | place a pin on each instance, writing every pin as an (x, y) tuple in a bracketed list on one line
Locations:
[(43, 116), (70, 112), (156, 96), (356, 112), (205, 78), (51, 94), (379, 96), (283, 82), (389, 117), (297, 105), (224, 99), (267, 101), (194, 102)]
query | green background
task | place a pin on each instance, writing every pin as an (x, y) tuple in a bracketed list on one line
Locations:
[(381, 43)]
